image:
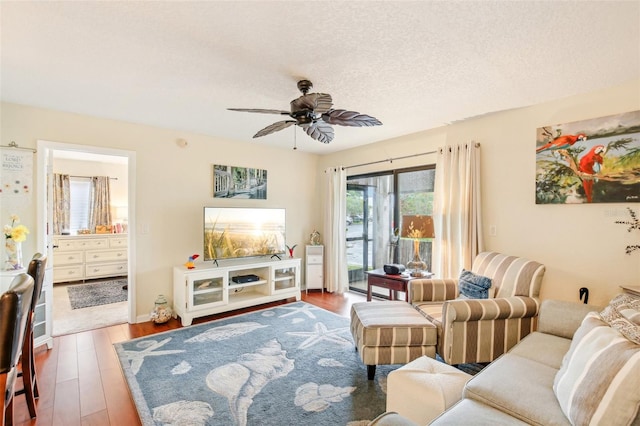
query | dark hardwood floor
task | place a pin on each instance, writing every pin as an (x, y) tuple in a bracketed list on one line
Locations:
[(80, 379)]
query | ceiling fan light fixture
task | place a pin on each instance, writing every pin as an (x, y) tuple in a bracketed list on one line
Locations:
[(315, 114)]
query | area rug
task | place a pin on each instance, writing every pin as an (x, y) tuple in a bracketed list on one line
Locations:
[(96, 294), (290, 364)]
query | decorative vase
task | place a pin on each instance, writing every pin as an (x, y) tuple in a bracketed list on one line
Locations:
[(416, 266), (13, 252), (161, 312)]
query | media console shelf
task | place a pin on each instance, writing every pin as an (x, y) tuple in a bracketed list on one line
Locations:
[(210, 289)]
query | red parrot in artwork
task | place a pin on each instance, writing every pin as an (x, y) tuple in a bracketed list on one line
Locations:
[(591, 163), (562, 142)]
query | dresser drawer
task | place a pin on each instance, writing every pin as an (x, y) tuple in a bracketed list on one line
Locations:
[(92, 256), (109, 269), (67, 258), (314, 259), (67, 273), (117, 242), (82, 244)]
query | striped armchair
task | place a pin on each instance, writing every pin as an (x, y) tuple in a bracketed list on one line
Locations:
[(480, 330)]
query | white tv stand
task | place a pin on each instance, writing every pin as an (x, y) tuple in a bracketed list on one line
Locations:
[(210, 289)]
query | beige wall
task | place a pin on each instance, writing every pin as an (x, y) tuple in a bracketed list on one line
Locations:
[(173, 184), (580, 245)]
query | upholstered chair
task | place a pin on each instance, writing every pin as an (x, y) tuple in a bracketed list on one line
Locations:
[(480, 330), (15, 304), (29, 379)]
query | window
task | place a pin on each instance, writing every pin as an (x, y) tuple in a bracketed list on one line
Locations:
[(79, 205), (376, 204)]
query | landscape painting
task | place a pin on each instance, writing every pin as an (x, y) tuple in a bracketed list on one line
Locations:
[(239, 182), (589, 161)]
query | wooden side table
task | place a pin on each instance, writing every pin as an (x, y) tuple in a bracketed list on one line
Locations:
[(394, 283)]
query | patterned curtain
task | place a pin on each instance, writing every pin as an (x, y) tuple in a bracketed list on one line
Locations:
[(100, 202), (61, 203), (456, 210)]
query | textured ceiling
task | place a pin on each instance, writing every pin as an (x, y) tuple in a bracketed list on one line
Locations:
[(412, 65)]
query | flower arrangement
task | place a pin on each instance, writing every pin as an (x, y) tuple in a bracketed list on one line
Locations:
[(17, 233)]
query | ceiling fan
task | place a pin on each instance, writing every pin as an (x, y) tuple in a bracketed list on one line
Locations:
[(314, 113)]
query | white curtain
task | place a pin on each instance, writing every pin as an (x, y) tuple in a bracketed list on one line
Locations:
[(457, 210), (337, 278)]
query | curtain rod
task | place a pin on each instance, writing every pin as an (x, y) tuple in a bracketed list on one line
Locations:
[(90, 177), (391, 160), (14, 145)]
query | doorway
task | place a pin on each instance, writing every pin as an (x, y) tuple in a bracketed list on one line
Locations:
[(83, 162)]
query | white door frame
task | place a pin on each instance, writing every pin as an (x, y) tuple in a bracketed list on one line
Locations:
[(45, 236)]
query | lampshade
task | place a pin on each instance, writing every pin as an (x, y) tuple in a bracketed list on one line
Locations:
[(417, 226)]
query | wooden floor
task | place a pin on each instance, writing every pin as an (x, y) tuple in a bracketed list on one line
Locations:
[(80, 379)]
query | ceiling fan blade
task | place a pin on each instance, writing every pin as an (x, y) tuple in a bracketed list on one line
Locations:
[(279, 125), (318, 102), (261, 111), (320, 131), (349, 118)]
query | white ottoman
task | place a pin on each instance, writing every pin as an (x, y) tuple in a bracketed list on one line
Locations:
[(424, 388)]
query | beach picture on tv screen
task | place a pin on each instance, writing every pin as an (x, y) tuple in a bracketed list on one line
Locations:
[(243, 232)]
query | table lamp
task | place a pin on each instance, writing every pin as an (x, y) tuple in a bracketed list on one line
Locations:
[(417, 227)]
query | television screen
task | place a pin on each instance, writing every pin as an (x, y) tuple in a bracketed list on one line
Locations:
[(232, 232)]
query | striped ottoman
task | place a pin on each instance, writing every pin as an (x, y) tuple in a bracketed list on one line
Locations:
[(391, 332)]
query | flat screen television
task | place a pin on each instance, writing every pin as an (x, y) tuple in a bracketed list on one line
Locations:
[(234, 232)]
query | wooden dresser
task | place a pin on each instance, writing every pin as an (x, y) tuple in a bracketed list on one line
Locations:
[(83, 257)]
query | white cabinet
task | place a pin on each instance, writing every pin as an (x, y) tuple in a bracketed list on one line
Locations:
[(210, 289), (89, 256), (314, 268)]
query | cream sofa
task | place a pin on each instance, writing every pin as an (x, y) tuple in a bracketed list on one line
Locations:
[(518, 388)]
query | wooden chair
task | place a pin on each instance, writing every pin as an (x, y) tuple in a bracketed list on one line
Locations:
[(15, 304), (30, 383)]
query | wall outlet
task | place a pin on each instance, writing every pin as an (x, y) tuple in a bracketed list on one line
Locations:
[(492, 230)]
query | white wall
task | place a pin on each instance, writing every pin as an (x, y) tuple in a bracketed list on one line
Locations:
[(580, 245), (173, 184)]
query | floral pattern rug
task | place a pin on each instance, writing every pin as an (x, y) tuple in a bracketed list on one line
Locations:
[(290, 364)]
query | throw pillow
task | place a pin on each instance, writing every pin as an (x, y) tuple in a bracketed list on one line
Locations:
[(473, 286), (597, 383), (623, 314)]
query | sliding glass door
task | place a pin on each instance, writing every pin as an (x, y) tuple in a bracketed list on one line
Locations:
[(374, 219)]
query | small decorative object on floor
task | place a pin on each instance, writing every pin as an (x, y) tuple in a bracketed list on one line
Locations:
[(291, 249), (161, 312), (14, 236), (314, 238), (190, 264)]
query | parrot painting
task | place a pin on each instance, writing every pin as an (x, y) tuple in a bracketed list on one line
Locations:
[(591, 163), (190, 264), (562, 142)]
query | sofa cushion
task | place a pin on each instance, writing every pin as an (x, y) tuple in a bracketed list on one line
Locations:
[(473, 286), (600, 376), (544, 348), (481, 415), (519, 387)]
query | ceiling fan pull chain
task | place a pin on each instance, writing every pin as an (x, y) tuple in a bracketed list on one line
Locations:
[(295, 146)]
